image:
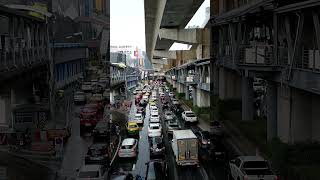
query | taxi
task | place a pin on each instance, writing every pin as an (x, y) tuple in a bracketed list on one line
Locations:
[(132, 128), (152, 103)]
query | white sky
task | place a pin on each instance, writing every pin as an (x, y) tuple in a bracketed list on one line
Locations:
[(127, 22)]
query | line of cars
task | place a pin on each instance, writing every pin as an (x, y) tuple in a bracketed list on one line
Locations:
[(156, 167), (242, 167), (93, 98)]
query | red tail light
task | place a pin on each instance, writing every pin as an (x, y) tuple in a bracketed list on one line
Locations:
[(245, 177), (277, 178)]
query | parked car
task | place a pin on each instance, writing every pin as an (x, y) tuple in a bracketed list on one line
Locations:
[(154, 118), (92, 171), (97, 154), (138, 118), (157, 147), (79, 97), (189, 116), (171, 94), (251, 168), (154, 129), (129, 148), (101, 130), (132, 128), (216, 128), (203, 139), (168, 115)]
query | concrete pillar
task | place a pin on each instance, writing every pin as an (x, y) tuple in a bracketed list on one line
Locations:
[(199, 97), (186, 91), (112, 93), (215, 80), (315, 117), (271, 96), (13, 97), (229, 84), (247, 98), (194, 95)]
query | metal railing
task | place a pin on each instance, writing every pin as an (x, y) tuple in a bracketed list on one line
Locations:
[(19, 56), (257, 54), (305, 58)]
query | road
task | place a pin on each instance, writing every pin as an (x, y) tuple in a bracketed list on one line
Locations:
[(76, 148)]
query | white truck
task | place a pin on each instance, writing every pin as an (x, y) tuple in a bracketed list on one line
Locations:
[(185, 147), (250, 168)]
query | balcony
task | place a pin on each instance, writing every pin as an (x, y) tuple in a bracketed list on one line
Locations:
[(192, 80), (14, 54)]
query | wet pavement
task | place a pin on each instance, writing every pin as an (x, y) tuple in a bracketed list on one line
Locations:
[(137, 166), (75, 149)]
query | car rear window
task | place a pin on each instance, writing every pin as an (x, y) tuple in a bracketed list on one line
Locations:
[(255, 164), (154, 127), (89, 174), (190, 115), (174, 125), (127, 147), (154, 115)]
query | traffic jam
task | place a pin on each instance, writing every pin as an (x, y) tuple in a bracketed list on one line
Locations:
[(162, 140), (92, 100), (159, 139)]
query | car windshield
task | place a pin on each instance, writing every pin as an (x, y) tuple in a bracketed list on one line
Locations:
[(154, 116), (138, 116), (89, 174), (190, 115)]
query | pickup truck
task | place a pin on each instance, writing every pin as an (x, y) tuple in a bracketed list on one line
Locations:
[(250, 168), (189, 116)]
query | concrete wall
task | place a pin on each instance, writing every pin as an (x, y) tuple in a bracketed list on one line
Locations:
[(203, 98), (298, 115), (229, 84)]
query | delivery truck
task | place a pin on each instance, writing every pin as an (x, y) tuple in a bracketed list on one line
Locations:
[(185, 147)]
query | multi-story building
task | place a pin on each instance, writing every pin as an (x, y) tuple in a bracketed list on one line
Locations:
[(277, 41)]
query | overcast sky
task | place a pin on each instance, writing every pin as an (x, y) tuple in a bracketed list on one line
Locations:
[(127, 22)]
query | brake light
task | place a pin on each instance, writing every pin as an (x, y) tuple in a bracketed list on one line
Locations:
[(277, 178), (245, 177)]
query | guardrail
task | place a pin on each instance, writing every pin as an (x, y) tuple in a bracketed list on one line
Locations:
[(257, 54)]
